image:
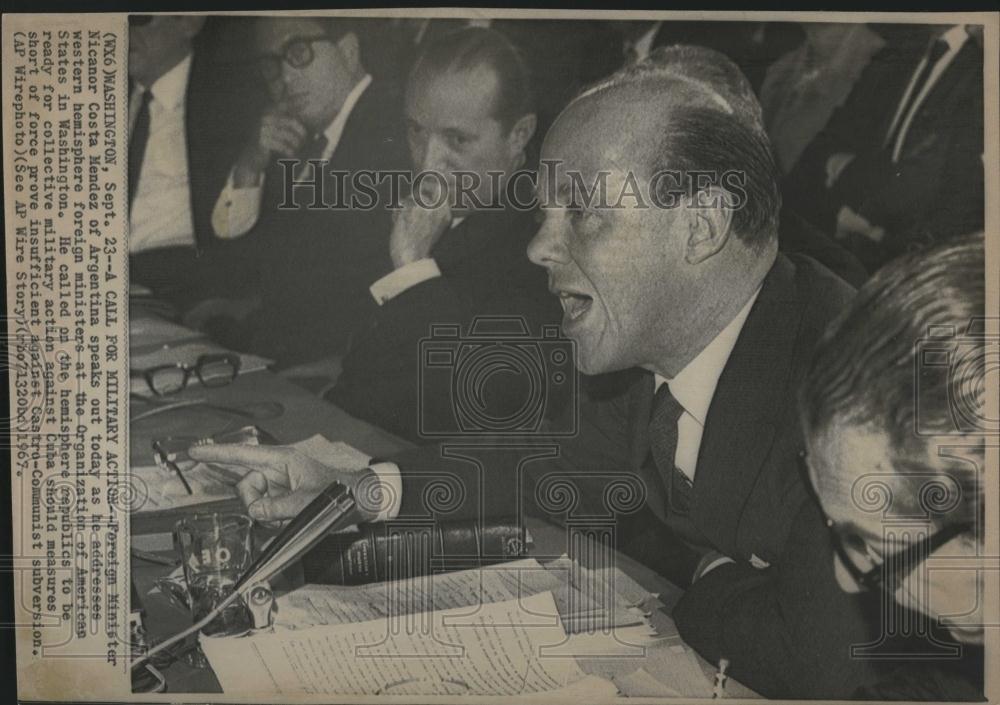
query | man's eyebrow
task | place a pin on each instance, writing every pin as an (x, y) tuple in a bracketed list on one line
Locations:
[(458, 131), (561, 196)]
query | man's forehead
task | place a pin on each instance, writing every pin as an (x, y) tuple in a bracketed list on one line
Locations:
[(468, 94), (273, 33), (605, 133)]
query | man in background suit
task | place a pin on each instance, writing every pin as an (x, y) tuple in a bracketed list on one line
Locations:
[(468, 109), (899, 165), (313, 263), (699, 331), (185, 119)]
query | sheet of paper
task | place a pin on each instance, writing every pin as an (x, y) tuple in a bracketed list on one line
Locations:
[(331, 604), (492, 652), (162, 489), (640, 684), (672, 664), (591, 688), (598, 603)]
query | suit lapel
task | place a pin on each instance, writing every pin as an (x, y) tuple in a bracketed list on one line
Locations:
[(943, 99), (750, 395)]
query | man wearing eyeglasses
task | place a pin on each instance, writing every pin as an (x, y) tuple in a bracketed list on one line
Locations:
[(315, 262), (895, 413)]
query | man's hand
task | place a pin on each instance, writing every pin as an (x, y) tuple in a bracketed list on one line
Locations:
[(278, 134), (282, 480), (415, 230), (851, 223)]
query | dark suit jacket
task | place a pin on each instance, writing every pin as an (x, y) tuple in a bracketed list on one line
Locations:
[(749, 499), (221, 99), (485, 272), (313, 266), (935, 189)]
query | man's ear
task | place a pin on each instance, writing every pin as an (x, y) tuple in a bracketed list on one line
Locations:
[(350, 46), (190, 25), (710, 221), (521, 133)]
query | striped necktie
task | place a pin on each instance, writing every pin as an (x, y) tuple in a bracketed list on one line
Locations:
[(663, 420)]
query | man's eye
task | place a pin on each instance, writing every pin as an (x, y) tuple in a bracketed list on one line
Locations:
[(458, 141)]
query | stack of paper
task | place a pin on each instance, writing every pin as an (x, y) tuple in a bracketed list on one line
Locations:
[(492, 650), (580, 607), (512, 629)]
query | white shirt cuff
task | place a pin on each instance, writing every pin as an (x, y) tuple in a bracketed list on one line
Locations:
[(236, 210), (721, 560), (391, 486), (409, 275)]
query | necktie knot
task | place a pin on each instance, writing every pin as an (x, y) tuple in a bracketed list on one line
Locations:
[(666, 409)]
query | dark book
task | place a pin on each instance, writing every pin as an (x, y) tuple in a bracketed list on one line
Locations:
[(396, 550)]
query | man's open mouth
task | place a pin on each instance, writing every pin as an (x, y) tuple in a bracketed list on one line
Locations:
[(574, 305)]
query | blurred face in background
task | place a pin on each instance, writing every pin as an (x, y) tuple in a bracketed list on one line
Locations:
[(308, 75), (157, 43), (852, 469), (451, 127)]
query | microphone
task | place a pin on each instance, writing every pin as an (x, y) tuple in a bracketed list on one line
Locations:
[(333, 508)]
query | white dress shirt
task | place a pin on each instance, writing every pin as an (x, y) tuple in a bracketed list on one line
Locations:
[(409, 275), (161, 206), (237, 209), (694, 387), (644, 44)]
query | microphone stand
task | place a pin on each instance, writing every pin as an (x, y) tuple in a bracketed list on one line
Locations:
[(333, 508)]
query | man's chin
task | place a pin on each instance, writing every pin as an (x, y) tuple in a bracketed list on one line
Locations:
[(593, 362)]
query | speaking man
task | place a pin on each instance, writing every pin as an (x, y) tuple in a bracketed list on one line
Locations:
[(698, 332)]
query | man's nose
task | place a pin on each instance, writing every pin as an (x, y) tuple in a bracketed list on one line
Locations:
[(547, 248), (435, 156)]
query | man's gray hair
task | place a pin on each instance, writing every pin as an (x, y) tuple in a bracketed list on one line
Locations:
[(712, 122), (909, 358)]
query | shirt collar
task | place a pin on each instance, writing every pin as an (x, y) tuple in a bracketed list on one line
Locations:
[(955, 38), (644, 44), (170, 89), (335, 129), (694, 386)]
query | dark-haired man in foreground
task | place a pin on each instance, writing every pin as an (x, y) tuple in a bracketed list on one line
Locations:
[(707, 330)]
